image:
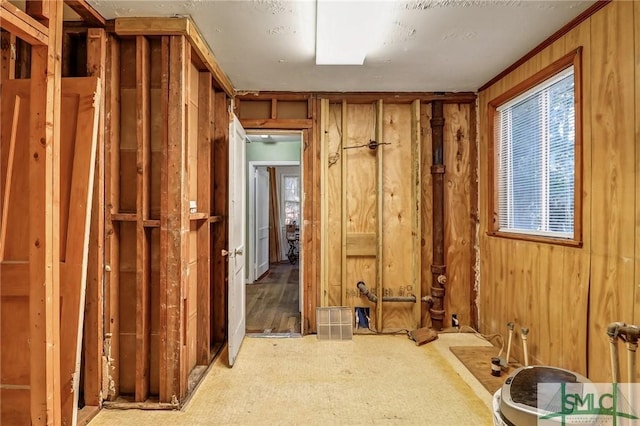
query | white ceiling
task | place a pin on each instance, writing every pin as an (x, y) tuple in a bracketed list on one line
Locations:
[(430, 45)]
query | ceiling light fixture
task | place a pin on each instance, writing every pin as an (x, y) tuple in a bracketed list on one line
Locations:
[(346, 31)]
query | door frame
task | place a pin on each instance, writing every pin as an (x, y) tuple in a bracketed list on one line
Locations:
[(251, 220)]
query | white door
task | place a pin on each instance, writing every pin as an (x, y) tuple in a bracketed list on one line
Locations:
[(262, 221), (237, 211)]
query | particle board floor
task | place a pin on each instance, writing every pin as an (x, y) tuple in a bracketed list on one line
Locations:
[(367, 380)]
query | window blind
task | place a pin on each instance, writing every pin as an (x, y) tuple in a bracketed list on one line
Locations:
[(536, 159)]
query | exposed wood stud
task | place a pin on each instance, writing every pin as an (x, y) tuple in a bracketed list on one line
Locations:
[(8, 59), (379, 212), (205, 128), (343, 203), (143, 257), (173, 225), (324, 165), (88, 14), (94, 314), (24, 26), (44, 219), (176, 26), (416, 208), (38, 9), (111, 360), (220, 208)]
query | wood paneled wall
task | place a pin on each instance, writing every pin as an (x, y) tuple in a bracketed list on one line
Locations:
[(567, 296)]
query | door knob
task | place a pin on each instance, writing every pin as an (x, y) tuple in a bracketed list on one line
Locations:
[(237, 251)]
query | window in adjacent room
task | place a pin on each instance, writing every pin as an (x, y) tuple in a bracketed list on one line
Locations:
[(291, 192), (536, 153)]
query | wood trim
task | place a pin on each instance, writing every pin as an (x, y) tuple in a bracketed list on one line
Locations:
[(267, 96), (599, 4), (88, 14), (362, 97), (572, 58), (399, 98), (279, 124), (143, 255), (23, 26), (177, 26)]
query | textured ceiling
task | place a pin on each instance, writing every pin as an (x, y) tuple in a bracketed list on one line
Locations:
[(428, 45)]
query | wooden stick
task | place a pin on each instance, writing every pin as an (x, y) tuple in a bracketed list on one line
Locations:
[(9, 174), (379, 214)]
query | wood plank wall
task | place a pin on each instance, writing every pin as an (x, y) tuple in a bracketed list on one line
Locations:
[(165, 312), (567, 296)]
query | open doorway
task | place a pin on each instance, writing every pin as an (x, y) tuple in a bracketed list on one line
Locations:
[(274, 200)]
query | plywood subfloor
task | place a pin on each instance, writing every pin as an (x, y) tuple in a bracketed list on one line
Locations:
[(367, 380), (477, 359)]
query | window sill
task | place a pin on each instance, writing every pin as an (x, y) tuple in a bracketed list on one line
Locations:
[(536, 239)]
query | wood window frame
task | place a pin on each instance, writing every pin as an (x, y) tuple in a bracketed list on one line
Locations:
[(572, 58)]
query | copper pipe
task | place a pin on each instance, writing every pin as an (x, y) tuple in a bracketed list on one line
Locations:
[(438, 268)]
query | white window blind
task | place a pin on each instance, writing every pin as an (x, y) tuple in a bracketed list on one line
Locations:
[(291, 191), (535, 134)]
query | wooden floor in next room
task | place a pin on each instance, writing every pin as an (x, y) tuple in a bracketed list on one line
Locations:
[(273, 301)]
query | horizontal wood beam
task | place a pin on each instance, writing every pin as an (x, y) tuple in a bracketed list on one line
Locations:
[(399, 98), (88, 14), (206, 55), (177, 26), (281, 124), (267, 96), (22, 25)]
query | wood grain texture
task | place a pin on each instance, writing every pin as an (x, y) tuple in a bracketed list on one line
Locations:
[(397, 221), (44, 224), (14, 266), (636, 312), (205, 138), (332, 198), (112, 243), (458, 232), (94, 312), (573, 293), (613, 180), (143, 258)]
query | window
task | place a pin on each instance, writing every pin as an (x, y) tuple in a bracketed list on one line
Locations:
[(291, 198), (536, 149)]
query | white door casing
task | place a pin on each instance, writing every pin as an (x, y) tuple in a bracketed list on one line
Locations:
[(262, 222), (236, 251)]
